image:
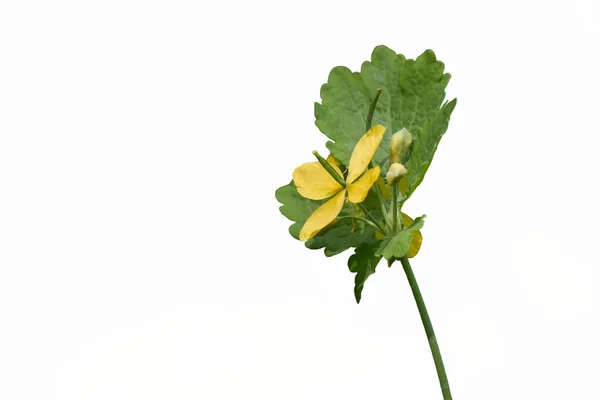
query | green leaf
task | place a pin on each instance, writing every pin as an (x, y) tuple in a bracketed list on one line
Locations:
[(412, 95), (397, 246), (337, 237), (295, 207), (411, 89), (363, 262), (425, 144), (341, 236), (343, 113)]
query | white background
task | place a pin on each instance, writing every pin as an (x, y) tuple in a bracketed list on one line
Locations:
[(142, 253)]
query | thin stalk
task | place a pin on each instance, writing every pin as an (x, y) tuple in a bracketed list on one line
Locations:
[(395, 208), (339, 179), (384, 210), (367, 213), (369, 121), (433, 344), (363, 220)]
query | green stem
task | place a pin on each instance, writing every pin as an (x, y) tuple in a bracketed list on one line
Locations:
[(364, 220), (384, 210), (433, 344), (377, 188), (330, 169), (395, 208), (372, 109), (367, 213)]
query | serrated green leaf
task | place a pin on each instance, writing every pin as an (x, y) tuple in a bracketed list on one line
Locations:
[(412, 93), (363, 262), (340, 236), (425, 144), (414, 88), (397, 246), (337, 237), (295, 207), (343, 113)]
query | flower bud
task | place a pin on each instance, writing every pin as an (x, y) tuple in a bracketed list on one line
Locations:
[(400, 142), (396, 172)]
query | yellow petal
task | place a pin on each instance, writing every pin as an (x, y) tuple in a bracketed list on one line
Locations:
[(417, 238), (314, 182), (333, 161), (385, 189), (357, 192), (364, 151), (403, 185), (322, 216)]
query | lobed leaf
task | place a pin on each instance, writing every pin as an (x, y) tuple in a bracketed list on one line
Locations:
[(337, 237), (397, 246), (412, 95), (425, 142), (342, 116), (363, 262)]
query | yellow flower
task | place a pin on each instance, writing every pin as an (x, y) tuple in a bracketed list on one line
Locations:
[(314, 182)]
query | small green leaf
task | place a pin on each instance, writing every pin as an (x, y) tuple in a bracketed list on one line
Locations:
[(363, 262), (397, 246), (340, 236), (337, 237), (295, 207)]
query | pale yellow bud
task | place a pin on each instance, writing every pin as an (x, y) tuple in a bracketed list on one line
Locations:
[(400, 142), (396, 172)]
